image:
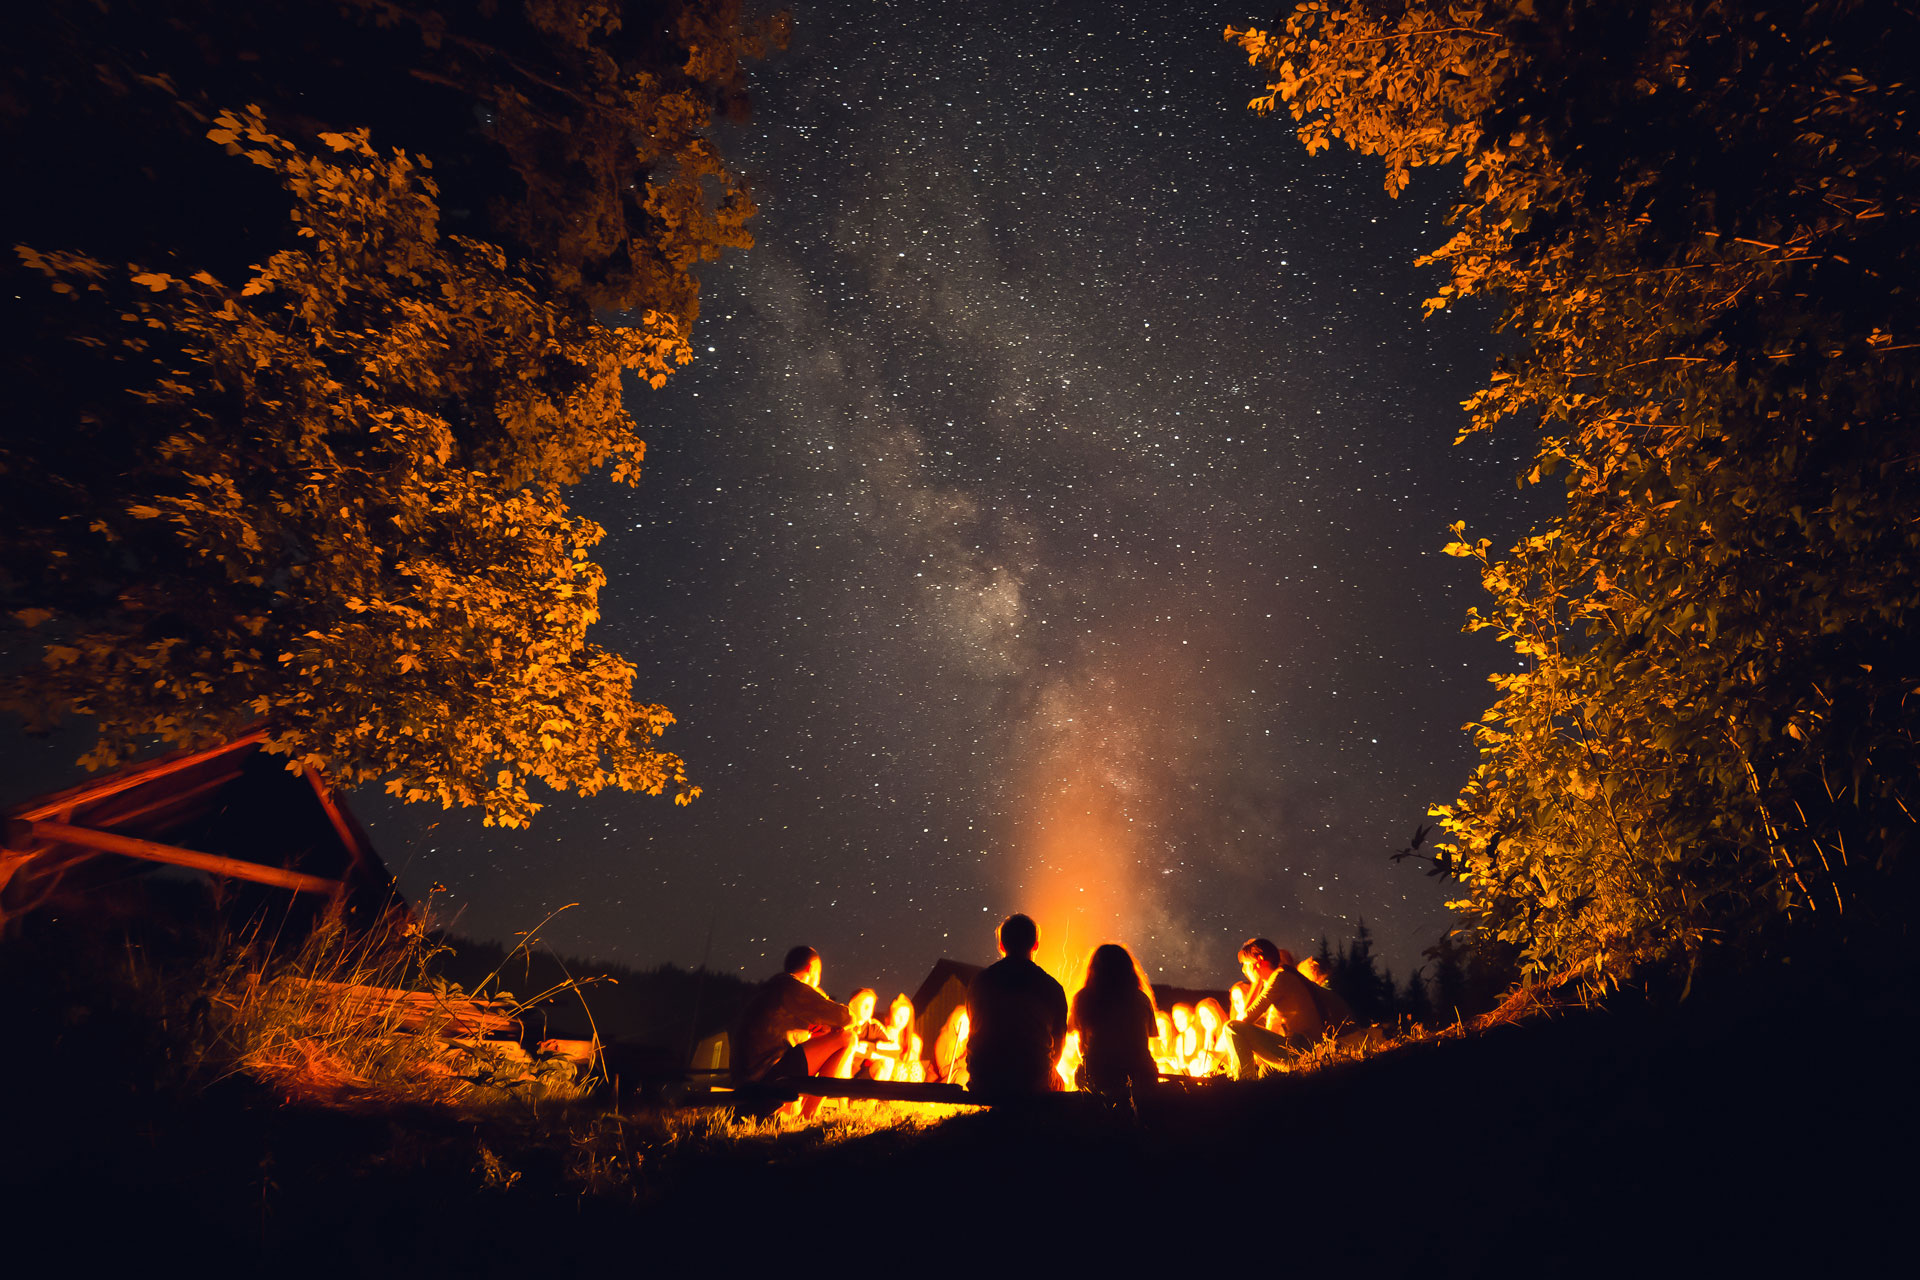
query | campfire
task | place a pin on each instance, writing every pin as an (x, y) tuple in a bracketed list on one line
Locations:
[(1190, 1044)]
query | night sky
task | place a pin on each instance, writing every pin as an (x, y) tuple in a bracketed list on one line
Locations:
[(1050, 522)]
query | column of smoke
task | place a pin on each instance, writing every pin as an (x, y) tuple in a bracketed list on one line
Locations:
[(1097, 757), (1083, 859), (1083, 847)]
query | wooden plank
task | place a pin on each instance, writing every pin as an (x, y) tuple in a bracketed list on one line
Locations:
[(109, 842), (879, 1090), (179, 799), (131, 777), (764, 1092), (413, 1008), (356, 855)]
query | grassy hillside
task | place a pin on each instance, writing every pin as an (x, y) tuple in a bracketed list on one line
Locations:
[(1765, 1121)]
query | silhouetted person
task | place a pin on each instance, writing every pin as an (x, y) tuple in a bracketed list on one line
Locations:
[(1113, 1012), (1019, 1019), (1335, 1012), (1279, 988), (787, 1007)]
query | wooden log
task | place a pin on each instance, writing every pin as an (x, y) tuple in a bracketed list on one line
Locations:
[(879, 1090), (356, 852), (759, 1093), (580, 1052), (152, 851), (411, 1009)]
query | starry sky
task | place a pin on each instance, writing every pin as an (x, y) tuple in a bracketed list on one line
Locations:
[(1051, 522)]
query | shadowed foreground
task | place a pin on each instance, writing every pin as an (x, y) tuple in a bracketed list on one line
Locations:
[(1756, 1124)]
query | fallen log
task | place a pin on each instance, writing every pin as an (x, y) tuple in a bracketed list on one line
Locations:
[(881, 1090), (21, 832), (413, 1010), (696, 1092)]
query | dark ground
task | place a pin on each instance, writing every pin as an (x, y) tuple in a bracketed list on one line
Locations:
[(1766, 1123)]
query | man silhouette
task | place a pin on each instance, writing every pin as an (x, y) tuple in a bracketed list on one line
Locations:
[(789, 1028), (1019, 1019)]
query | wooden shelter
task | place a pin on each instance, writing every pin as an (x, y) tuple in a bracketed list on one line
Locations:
[(232, 811)]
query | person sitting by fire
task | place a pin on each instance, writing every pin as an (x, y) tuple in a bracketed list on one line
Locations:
[(1113, 1015), (790, 1029), (1019, 1018), (1335, 1012), (1277, 986)]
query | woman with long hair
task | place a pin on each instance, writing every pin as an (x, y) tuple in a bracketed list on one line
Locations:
[(1113, 1012)]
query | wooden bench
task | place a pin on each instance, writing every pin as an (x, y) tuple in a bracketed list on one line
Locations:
[(712, 1089)]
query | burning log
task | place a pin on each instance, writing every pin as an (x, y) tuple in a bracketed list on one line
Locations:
[(873, 1090)]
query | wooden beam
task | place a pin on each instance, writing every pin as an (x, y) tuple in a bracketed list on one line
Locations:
[(135, 776), (356, 855), (880, 1090), (464, 1014), (179, 799), (108, 842)]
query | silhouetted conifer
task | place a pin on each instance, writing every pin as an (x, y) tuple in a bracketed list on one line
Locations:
[(1413, 1003)]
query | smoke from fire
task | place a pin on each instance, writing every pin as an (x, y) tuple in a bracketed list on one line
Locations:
[(1087, 857)]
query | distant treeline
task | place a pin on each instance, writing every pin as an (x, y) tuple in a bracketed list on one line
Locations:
[(672, 1008), (1460, 980), (667, 1007)]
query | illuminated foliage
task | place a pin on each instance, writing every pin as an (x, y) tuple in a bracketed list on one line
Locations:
[(319, 546), (618, 190), (328, 492), (1700, 222)]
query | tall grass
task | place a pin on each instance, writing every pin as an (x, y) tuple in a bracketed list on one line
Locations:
[(357, 1017)]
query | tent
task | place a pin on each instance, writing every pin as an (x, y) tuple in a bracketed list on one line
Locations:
[(715, 1053), (231, 811), (942, 991)]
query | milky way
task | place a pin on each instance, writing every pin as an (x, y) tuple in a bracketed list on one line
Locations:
[(1051, 521)]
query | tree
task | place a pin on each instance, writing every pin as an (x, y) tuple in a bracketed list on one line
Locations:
[(601, 124), (1449, 977), (332, 496), (1700, 221), (1357, 978)]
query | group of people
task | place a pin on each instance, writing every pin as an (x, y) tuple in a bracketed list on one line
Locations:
[(792, 1028), (1018, 1034)]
